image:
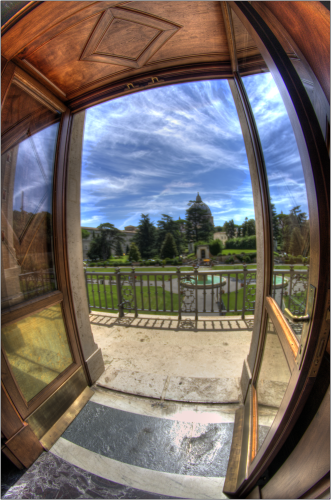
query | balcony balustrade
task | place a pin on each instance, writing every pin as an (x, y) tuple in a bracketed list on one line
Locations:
[(188, 294)]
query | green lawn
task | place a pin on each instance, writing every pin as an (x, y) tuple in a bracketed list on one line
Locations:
[(236, 251), (139, 270), (287, 266), (240, 296), (111, 296), (155, 301), (298, 300)]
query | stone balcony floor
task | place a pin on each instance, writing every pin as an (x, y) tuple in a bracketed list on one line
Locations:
[(162, 358)]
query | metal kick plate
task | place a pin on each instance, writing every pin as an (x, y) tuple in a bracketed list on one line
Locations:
[(306, 326)]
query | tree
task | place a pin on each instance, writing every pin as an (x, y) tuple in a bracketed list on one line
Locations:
[(118, 248), (168, 225), (169, 249), (85, 233), (287, 239), (251, 229), (275, 226), (229, 228), (145, 237), (127, 250), (134, 254), (244, 227), (198, 225), (296, 245), (215, 247), (286, 235), (102, 243)]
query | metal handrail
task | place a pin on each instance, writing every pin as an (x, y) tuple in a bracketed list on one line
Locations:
[(180, 292)]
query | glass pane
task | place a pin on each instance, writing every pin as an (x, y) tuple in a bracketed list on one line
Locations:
[(290, 218), (37, 349), (289, 204), (9, 9), (27, 168), (272, 382)]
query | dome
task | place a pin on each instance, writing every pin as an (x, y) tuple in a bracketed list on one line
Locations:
[(200, 204)]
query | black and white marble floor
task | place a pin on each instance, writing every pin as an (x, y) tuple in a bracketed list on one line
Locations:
[(122, 446)]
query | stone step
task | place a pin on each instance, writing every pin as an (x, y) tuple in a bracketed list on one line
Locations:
[(187, 389)]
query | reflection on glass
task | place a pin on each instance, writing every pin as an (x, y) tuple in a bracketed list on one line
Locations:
[(272, 382), (290, 218), (249, 58), (288, 195), (26, 203), (37, 349)]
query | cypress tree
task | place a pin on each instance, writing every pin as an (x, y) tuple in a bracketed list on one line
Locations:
[(134, 254), (169, 249)]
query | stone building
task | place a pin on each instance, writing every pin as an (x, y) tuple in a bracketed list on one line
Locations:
[(128, 232), (220, 235)]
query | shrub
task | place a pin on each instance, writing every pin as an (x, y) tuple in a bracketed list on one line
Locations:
[(134, 254), (229, 260), (216, 247), (246, 259), (246, 243)]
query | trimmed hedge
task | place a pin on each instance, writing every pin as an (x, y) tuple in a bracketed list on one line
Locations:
[(246, 243)]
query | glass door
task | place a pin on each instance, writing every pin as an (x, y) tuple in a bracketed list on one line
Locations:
[(289, 338), (40, 353)]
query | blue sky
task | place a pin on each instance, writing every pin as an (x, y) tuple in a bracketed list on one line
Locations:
[(151, 152), (34, 171), (285, 176)]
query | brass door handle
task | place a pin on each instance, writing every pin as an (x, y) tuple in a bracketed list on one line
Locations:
[(296, 319)]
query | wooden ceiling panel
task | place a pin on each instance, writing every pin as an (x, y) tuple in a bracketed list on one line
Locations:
[(87, 9), (59, 59), (89, 44), (41, 19), (126, 39), (202, 31)]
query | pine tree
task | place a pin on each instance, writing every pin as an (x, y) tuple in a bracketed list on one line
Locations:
[(134, 254), (118, 249), (105, 241), (169, 249), (275, 226), (168, 225), (198, 225), (229, 229), (297, 243), (145, 237)]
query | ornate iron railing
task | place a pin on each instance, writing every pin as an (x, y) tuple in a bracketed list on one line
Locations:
[(190, 293), (37, 283)]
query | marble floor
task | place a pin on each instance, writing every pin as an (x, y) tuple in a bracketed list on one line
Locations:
[(124, 446)]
